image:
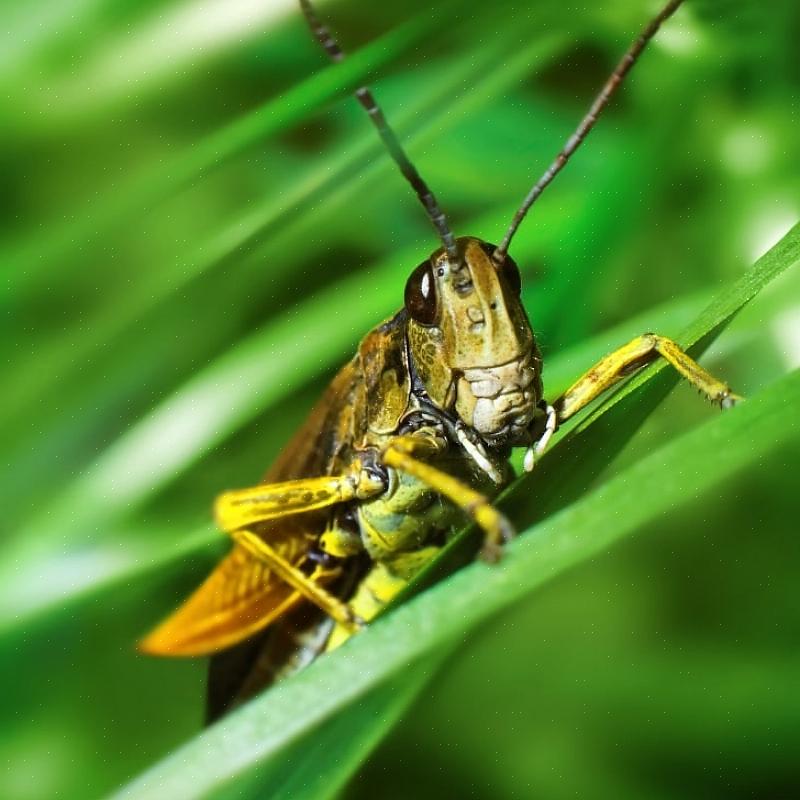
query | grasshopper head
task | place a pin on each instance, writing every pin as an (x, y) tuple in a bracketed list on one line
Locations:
[(471, 341)]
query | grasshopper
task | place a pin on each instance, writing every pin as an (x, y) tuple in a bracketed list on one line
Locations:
[(411, 436)]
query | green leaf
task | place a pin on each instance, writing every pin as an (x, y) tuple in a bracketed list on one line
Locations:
[(62, 246), (678, 472), (320, 764), (133, 284), (257, 735)]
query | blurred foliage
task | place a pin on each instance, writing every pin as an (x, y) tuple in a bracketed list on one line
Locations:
[(199, 226)]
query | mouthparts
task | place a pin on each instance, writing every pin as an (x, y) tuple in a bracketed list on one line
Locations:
[(499, 402)]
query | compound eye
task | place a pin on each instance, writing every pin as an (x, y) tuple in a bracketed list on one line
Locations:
[(510, 271), (420, 295)]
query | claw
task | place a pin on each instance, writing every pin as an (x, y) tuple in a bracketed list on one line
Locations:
[(491, 552), (729, 400), (494, 544), (357, 623), (351, 621)]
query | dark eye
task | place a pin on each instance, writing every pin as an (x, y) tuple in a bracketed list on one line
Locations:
[(421, 295), (508, 269)]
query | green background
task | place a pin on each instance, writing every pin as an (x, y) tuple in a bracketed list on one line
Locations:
[(198, 228)]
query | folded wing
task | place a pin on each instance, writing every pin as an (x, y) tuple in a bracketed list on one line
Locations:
[(239, 598)]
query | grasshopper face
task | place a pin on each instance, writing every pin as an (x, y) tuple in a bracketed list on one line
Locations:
[(471, 341)]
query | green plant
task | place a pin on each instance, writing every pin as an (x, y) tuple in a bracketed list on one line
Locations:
[(161, 350)]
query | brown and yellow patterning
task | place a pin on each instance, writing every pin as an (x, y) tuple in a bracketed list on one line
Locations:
[(414, 433)]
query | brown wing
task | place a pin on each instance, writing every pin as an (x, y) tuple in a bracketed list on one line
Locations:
[(241, 596)]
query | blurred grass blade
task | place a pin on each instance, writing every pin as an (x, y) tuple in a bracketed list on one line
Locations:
[(675, 474), (561, 369), (283, 220), (167, 332), (319, 765), (254, 374), (66, 244), (50, 585)]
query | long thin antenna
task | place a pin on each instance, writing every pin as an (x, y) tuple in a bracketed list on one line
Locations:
[(587, 123), (365, 97)]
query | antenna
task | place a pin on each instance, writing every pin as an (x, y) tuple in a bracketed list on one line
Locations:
[(367, 100), (587, 123)]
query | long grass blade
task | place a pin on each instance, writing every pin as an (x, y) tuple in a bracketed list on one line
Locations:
[(680, 471)]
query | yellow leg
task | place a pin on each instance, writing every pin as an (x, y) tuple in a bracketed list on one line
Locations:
[(636, 354), (400, 455), (309, 588), (237, 510), (243, 507), (383, 582)]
